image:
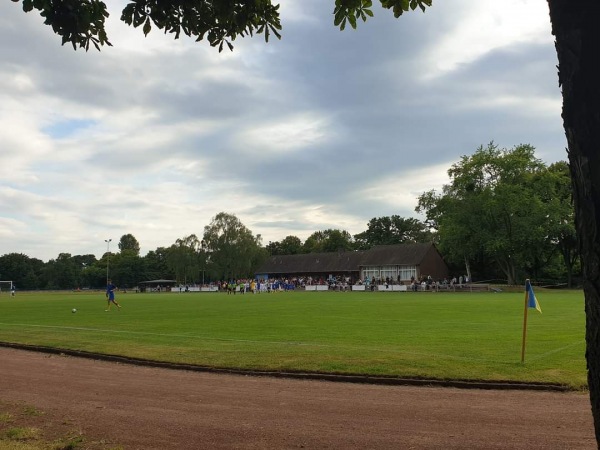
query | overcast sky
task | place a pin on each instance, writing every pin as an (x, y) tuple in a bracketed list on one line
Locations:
[(322, 129)]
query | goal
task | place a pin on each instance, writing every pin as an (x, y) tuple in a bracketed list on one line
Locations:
[(6, 287)]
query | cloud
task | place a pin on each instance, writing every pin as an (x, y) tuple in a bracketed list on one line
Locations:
[(477, 28), (322, 129), (285, 135)]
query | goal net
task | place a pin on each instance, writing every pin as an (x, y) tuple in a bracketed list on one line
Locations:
[(6, 287)]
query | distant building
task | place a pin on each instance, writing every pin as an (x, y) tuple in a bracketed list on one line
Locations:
[(156, 285), (399, 263)]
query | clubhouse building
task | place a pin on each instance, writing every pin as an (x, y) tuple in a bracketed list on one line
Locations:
[(398, 264)]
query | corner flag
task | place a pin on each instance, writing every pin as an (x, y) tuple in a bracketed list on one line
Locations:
[(531, 300)]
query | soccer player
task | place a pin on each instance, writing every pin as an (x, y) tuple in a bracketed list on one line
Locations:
[(110, 295)]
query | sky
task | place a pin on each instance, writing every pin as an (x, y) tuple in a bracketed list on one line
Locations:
[(321, 129)]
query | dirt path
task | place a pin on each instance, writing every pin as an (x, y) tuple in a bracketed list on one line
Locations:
[(151, 408)]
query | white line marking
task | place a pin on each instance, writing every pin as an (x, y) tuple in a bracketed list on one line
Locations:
[(284, 343), (556, 350)]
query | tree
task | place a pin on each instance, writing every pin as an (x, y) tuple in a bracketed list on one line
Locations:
[(23, 271), (393, 230), (574, 25), (499, 202), (274, 248), (127, 269), (81, 22), (128, 243), (328, 241), (555, 254), (87, 270), (93, 276), (234, 251), (338, 240), (84, 260), (290, 245), (556, 186), (62, 272), (183, 258), (156, 264), (314, 243)]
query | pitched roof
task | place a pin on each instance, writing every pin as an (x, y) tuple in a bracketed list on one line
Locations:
[(312, 263), (157, 281), (401, 254)]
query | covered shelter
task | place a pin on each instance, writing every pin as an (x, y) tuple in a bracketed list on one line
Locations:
[(403, 263), (156, 285), (399, 263)]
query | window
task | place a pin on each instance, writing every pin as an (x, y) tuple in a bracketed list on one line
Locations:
[(406, 272), (370, 272), (383, 272)]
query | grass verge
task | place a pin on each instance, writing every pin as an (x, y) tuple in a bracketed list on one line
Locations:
[(464, 336)]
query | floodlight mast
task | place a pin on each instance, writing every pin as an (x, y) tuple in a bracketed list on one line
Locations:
[(107, 257), (203, 247)]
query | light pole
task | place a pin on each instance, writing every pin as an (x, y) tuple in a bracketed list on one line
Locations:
[(203, 247), (107, 257)]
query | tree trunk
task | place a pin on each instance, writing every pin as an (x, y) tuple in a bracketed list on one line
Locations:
[(468, 269), (576, 26), (506, 265), (568, 261)]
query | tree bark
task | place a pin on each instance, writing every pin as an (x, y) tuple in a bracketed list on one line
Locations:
[(507, 266), (468, 269), (576, 27)]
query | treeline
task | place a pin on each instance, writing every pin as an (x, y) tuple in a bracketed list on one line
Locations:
[(505, 215), (227, 250), (507, 211)]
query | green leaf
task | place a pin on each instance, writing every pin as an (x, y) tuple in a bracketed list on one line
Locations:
[(352, 20), (147, 27), (27, 5), (340, 15), (423, 3), (275, 31)]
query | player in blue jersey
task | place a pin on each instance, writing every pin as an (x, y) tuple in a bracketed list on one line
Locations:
[(110, 295)]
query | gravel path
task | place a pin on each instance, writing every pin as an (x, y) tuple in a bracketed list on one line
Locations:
[(154, 408)]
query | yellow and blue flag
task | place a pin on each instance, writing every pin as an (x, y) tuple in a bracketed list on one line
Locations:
[(531, 299)]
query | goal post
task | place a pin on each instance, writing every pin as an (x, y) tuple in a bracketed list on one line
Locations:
[(6, 287)]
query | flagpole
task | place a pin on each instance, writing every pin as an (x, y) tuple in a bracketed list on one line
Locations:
[(524, 326)]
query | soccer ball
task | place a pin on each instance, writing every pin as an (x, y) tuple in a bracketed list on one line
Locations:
[(73, 310)]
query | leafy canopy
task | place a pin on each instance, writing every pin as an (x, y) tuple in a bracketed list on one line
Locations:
[(393, 230), (504, 204), (234, 250), (220, 22)]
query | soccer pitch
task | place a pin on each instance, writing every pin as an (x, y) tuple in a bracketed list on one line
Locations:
[(464, 336)]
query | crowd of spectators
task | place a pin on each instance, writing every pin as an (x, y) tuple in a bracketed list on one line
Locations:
[(336, 283)]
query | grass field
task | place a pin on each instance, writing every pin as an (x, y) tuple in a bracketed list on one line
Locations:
[(466, 336)]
